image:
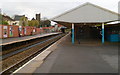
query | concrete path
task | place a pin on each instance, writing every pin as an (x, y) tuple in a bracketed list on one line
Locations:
[(81, 58)]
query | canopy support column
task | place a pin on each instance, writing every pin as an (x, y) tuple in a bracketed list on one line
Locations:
[(73, 40), (103, 33)]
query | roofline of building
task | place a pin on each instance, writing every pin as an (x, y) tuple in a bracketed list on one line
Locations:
[(52, 19), (8, 17)]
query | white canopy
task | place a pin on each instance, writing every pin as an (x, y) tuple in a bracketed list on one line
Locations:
[(87, 13)]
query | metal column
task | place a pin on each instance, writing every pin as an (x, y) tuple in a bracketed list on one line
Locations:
[(103, 33), (73, 33)]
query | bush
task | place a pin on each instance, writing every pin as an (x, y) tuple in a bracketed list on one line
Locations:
[(5, 23)]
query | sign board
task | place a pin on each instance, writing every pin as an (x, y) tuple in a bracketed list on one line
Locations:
[(5, 31), (11, 29)]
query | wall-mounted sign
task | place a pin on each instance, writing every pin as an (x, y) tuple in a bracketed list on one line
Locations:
[(20, 30), (11, 33), (25, 31), (5, 31)]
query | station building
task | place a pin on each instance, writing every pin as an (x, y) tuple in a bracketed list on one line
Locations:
[(89, 21)]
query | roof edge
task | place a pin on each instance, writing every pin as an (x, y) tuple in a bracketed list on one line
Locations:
[(87, 3)]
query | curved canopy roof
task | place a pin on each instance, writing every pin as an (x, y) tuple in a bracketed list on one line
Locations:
[(87, 13)]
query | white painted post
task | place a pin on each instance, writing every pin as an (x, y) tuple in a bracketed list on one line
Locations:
[(103, 33), (73, 33)]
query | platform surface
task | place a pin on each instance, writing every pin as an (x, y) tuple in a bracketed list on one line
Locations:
[(81, 58), (19, 39), (78, 58)]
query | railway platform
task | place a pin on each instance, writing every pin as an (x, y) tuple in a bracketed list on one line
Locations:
[(20, 39), (64, 57)]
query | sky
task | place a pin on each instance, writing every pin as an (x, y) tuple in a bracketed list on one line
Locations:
[(49, 8)]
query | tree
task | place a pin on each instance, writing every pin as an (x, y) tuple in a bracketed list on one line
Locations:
[(5, 23), (34, 23), (23, 21)]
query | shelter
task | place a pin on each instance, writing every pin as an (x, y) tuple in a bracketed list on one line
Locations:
[(86, 15)]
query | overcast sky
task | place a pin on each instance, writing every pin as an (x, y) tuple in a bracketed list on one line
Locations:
[(49, 8)]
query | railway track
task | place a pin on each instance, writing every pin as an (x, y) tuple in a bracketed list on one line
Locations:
[(44, 44), (5, 56), (6, 49)]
